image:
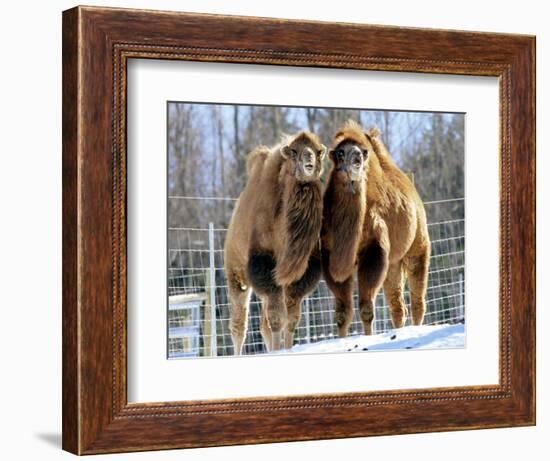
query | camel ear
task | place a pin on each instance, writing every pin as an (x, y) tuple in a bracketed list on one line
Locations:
[(322, 152), (368, 136), (287, 152), (371, 133)]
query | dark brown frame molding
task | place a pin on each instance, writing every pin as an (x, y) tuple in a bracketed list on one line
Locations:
[(97, 43)]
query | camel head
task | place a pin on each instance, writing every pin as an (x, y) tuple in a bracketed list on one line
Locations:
[(350, 153), (304, 154)]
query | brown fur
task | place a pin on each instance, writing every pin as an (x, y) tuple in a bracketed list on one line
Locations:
[(302, 209), (377, 226), (273, 237)]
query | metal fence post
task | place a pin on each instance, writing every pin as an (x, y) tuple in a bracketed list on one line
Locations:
[(462, 309), (212, 272), (308, 327)]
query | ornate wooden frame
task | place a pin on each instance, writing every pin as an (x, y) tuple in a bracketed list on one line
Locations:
[(97, 43)]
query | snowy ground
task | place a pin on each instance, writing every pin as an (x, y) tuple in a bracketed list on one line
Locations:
[(423, 337)]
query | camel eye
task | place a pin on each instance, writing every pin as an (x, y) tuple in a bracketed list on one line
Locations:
[(293, 153), (340, 154)]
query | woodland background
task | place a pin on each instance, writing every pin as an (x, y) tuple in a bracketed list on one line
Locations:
[(208, 145)]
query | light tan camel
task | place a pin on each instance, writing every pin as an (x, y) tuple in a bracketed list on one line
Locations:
[(272, 244)]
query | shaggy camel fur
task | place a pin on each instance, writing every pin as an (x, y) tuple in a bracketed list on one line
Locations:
[(272, 244), (375, 223)]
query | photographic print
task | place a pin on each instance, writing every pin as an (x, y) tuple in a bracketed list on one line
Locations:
[(313, 230)]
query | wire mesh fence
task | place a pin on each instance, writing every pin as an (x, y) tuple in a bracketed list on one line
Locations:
[(199, 309)]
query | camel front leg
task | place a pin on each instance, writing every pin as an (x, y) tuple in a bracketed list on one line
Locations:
[(276, 318), (294, 313), (371, 273), (265, 330), (393, 289), (239, 295), (261, 265), (294, 294), (417, 271), (343, 294), (343, 308)]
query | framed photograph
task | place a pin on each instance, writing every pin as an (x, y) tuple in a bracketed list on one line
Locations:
[(282, 230)]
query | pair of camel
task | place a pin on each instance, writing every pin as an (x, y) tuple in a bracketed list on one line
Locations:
[(285, 234)]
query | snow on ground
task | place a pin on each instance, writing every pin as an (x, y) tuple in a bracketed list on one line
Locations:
[(411, 337)]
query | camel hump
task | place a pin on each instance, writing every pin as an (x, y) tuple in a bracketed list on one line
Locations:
[(256, 158), (374, 135)]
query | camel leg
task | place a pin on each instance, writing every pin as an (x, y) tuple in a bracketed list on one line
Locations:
[(265, 330), (276, 318), (371, 273), (417, 271), (261, 265), (238, 324), (343, 293), (294, 312), (295, 292), (393, 289)]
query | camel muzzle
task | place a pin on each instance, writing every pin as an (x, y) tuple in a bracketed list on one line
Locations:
[(308, 167)]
